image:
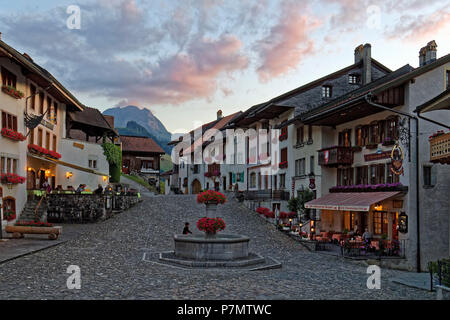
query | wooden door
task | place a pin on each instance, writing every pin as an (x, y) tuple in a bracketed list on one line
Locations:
[(31, 180), (196, 187)]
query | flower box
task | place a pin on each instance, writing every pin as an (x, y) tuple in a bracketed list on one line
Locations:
[(356, 148), (13, 135), (282, 137), (13, 92), (42, 151), (370, 188), (283, 165), (11, 178)]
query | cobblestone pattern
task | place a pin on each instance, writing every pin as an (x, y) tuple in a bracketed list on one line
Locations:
[(110, 254)]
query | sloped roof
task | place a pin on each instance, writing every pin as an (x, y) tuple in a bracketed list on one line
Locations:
[(140, 144), (39, 74), (93, 119)]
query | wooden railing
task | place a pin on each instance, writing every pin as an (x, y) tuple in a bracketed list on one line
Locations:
[(440, 149)]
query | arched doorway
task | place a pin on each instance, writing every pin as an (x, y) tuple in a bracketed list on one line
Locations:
[(196, 187), (31, 180)]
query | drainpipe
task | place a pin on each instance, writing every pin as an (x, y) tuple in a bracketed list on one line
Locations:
[(368, 98)]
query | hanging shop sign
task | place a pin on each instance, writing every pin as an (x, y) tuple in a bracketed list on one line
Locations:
[(377, 156), (402, 223), (78, 145), (397, 160)]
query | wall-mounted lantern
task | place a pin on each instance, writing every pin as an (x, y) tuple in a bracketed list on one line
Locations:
[(69, 174)]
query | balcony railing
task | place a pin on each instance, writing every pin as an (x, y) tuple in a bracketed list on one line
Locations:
[(440, 148), (335, 156)]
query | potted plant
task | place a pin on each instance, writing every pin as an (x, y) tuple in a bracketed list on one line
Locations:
[(210, 225), (10, 215), (211, 199)]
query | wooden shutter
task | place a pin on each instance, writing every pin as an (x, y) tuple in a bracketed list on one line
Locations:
[(284, 154), (4, 121)]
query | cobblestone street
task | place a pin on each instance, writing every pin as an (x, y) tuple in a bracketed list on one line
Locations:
[(110, 255)]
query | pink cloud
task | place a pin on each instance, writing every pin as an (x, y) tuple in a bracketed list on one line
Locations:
[(193, 74), (287, 43), (421, 28)]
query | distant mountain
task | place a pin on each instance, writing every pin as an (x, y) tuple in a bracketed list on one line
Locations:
[(131, 120)]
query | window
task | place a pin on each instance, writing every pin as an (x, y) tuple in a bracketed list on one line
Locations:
[(284, 152), (196, 168), (374, 132), (344, 138), (326, 91), (353, 79), (380, 223), (31, 137), (93, 164), (9, 165), (8, 78), (300, 165), (377, 172), (259, 181), (365, 135), (345, 177), (358, 137), (361, 175), (300, 135), (429, 177), (253, 180), (55, 112), (33, 97), (47, 140), (392, 128), (311, 164), (49, 107), (9, 121), (41, 102), (309, 133), (54, 143), (282, 181), (40, 137), (284, 130)]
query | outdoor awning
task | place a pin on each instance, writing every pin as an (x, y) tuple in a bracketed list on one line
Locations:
[(351, 201)]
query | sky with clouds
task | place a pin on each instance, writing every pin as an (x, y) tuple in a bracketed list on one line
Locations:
[(186, 59)]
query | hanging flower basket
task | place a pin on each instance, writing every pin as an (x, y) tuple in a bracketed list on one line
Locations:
[(13, 92), (210, 196), (13, 135), (42, 151), (11, 178)]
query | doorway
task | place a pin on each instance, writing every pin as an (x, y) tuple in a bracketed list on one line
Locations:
[(42, 178), (31, 180), (196, 187)]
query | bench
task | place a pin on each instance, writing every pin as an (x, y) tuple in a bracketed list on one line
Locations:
[(19, 231)]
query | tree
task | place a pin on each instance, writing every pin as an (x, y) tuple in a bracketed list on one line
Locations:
[(298, 204)]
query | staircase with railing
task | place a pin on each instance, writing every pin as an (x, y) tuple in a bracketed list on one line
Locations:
[(35, 210)]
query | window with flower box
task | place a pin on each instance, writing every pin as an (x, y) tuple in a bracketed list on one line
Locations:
[(9, 121), (362, 175), (9, 165), (345, 176), (8, 78)]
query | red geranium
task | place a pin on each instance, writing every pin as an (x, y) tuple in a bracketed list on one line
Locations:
[(269, 214), (33, 224), (262, 210), (211, 197), (40, 150), (11, 178), (13, 135), (210, 225)]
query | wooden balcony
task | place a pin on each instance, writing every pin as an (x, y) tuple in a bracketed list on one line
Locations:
[(335, 156), (440, 149)]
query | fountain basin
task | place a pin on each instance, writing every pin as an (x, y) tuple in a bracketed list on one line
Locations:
[(221, 247)]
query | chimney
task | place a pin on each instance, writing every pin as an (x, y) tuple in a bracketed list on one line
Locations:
[(219, 114), (428, 54), (0, 36), (364, 53)]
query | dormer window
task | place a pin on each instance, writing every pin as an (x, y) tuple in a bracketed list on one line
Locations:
[(353, 79), (327, 91)]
